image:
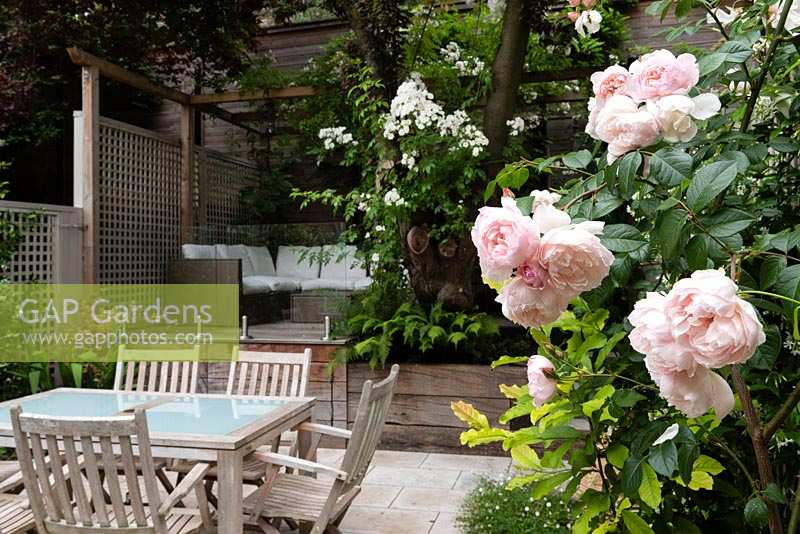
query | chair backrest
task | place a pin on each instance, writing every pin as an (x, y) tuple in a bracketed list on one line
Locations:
[(157, 370), (280, 374), (53, 471), (368, 426)]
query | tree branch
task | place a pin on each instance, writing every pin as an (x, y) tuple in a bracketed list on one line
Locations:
[(765, 474), (794, 519), (759, 83), (780, 416)]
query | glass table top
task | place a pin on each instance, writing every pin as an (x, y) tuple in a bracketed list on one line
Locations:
[(176, 415)]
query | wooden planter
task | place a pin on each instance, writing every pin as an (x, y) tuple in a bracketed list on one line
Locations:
[(420, 417)]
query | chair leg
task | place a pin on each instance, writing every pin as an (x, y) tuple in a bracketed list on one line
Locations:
[(212, 499), (164, 479), (332, 529)]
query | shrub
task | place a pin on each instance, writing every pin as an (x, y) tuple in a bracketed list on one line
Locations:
[(492, 509)]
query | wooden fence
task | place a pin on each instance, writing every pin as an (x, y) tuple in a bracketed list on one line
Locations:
[(137, 200), (50, 249)]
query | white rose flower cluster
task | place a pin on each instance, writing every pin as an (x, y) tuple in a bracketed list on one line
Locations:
[(336, 136), (414, 106), (363, 201), (409, 159), (393, 198), (464, 65), (517, 124)]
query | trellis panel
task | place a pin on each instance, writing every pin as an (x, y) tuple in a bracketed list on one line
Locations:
[(50, 248), (138, 204)]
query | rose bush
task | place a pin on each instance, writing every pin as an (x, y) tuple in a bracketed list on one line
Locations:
[(676, 350)]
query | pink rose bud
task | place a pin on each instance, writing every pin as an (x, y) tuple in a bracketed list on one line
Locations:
[(572, 16), (541, 379)]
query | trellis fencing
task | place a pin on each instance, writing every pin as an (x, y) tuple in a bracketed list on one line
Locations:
[(137, 204), (50, 242)]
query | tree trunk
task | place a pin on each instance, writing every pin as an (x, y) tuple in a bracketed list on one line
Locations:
[(507, 68)]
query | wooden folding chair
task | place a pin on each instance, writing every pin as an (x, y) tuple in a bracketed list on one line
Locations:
[(60, 507), (321, 503)]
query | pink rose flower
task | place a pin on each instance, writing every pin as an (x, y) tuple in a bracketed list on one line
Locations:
[(529, 306), (505, 238), (624, 126), (609, 82), (652, 336), (694, 394), (541, 379), (545, 214), (572, 16), (574, 257), (710, 322), (660, 73), (675, 113)]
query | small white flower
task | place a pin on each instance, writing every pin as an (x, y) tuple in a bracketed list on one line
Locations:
[(380, 228), (588, 22), (517, 124)]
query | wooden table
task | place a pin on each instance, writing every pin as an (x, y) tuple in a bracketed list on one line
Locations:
[(212, 428)]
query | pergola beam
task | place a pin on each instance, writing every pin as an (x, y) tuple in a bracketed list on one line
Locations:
[(227, 116), (119, 74), (279, 93)]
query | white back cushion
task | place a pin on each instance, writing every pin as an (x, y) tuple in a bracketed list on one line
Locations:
[(235, 252), (342, 264), (290, 265), (198, 252), (261, 260)]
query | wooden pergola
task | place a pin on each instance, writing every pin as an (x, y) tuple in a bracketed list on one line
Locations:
[(93, 67)]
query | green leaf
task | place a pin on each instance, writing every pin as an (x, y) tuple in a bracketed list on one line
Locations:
[(783, 144), (525, 204), (706, 464), (727, 222), (617, 455), (650, 489), (626, 173), (708, 182), (505, 360), (474, 437), (664, 458), (622, 238), (632, 476), (687, 454), (788, 282), (470, 415), (755, 513), (668, 231), (767, 352), (711, 62), (697, 252), (526, 457), (591, 406), (770, 269), (682, 8), (523, 408), (670, 166), (626, 398), (774, 494), (635, 524), (577, 160), (546, 486)]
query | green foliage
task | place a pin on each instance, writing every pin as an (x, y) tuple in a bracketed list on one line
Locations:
[(416, 330), (491, 508)]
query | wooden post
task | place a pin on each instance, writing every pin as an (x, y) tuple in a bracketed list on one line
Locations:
[(187, 171), (91, 172)]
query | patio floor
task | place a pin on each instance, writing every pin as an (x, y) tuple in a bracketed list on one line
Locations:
[(414, 492)]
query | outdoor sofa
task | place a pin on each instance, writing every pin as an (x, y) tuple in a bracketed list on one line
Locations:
[(265, 285)]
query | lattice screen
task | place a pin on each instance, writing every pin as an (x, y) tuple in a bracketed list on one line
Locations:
[(35, 257), (223, 178), (139, 201), (139, 204)]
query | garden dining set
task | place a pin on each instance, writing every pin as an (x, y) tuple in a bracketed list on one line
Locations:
[(99, 460)]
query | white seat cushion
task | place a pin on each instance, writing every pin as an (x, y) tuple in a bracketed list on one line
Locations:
[(342, 263), (198, 252), (327, 283), (255, 285), (298, 263), (262, 261), (237, 252), (273, 283)]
